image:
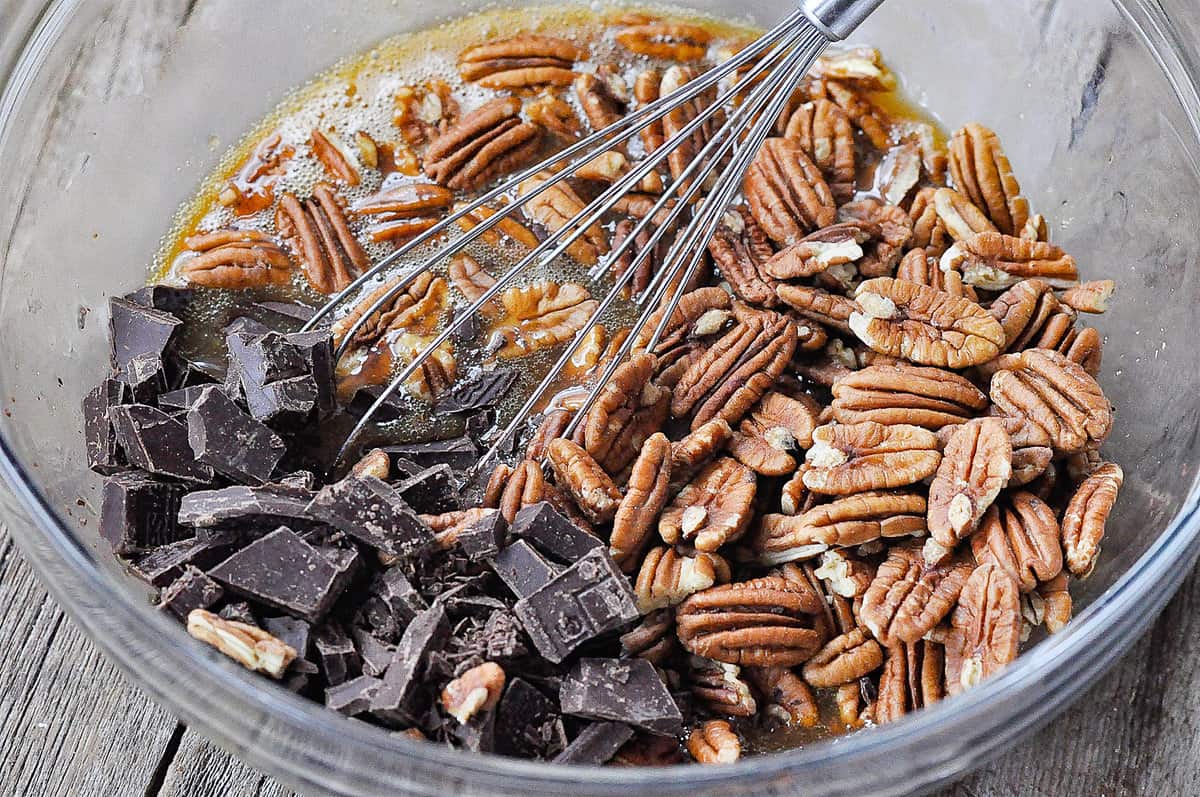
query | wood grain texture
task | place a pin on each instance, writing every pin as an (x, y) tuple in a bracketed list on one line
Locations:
[(201, 769)]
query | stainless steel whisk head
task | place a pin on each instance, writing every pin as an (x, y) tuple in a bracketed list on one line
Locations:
[(769, 68)]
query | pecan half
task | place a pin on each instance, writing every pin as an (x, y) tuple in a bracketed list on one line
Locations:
[(554, 209), (653, 639), (557, 116), (713, 509), (403, 212), (776, 427), (472, 281), (248, 645), (890, 229), (923, 325), (476, 691), (319, 236), (899, 172), (761, 623), (520, 62), (732, 375), (839, 245), (961, 217), (917, 266), (700, 313), (786, 697), (794, 497), (235, 259), (855, 457), (981, 171), (853, 520), (584, 480), (889, 394), (539, 316), (649, 87), (823, 131), (830, 309), (696, 449), (487, 143), (1086, 515), (720, 687), (648, 263), (845, 574), (929, 231), (787, 193), (1056, 598), (628, 410), (985, 628), (645, 496), (1090, 297), (994, 261), (1048, 389), (333, 157), (912, 679), (866, 116), (507, 228), (672, 41), (862, 67), (418, 309), (909, 596), (604, 97), (976, 465), (714, 742), (509, 489), (667, 577), (741, 250), (843, 659), (1020, 535)]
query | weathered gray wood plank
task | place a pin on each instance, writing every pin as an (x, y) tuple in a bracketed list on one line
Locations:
[(201, 769)]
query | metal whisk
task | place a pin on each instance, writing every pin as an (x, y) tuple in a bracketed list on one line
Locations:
[(771, 66)]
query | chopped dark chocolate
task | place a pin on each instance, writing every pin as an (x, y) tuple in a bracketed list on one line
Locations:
[(239, 612), (134, 329), (623, 690), (156, 442), (527, 722), (230, 441), (165, 564), (523, 569), (399, 697), (192, 590), (505, 639), (291, 311), (394, 407), (392, 605), (181, 399), (375, 655), (146, 377), (138, 512), (162, 297), (589, 598), (184, 370), (484, 390), (482, 539), (285, 379), (372, 512), (479, 734), (432, 490), (283, 571), (459, 453), (354, 696), (596, 744), (336, 654), (103, 451), (553, 533), (291, 631), (270, 503)]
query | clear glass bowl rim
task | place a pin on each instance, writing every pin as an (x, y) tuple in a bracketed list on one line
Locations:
[(1130, 603)]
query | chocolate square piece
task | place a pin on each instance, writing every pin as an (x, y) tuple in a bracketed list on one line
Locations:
[(623, 690), (589, 598), (375, 655), (138, 512), (134, 329), (596, 744), (146, 377), (399, 698), (369, 510), (459, 453), (103, 452), (523, 570), (291, 631), (485, 389), (482, 539), (336, 654), (432, 490), (393, 604), (165, 564), (283, 571), (156, 442), (352, 697), (285, 379), (527, 723), (246, 505), (192, 590), (552, 533), (230, 441)]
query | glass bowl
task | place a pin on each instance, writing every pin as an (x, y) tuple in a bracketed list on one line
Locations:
[(1097, 106)]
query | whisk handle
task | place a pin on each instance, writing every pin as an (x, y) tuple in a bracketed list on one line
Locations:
[(837, 19)]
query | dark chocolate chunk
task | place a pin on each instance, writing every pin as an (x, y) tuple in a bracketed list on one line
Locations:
[(146, 377), (267, 504), (284, 379), (165, 564), (596, 744), (482, 539), (156, 442), (459, 453), (527, 723), (352, 697), (291, 311), (485, 389), (523, 569), (185, 370), (589, 598), (394, 407), (623, 690), (138, 512), (283, 571), (192, 590), (552, 533), (393, 603), (336, 654), (230, 441), (375, 655), (162, 297), (103, 451), (505, 641), (479, 734), (399, 697), (291, 631), (239, 612), (432, 490), (134, 329), (316, 349), (371, 511), (477, 606), (181, 399), (479, 425)]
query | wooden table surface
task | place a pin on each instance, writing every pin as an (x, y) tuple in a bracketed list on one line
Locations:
[(72, 726)]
